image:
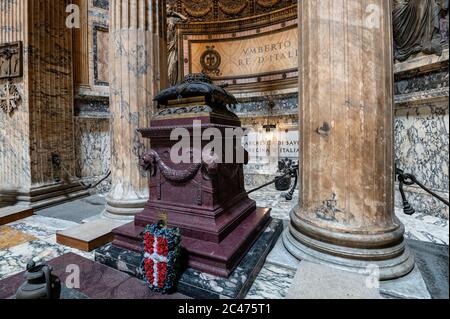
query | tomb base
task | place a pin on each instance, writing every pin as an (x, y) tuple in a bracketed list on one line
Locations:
[(197, 284)]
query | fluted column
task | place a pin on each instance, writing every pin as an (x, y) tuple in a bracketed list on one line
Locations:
[(137, 72), (42, 124), (346, 217), (81, 46)]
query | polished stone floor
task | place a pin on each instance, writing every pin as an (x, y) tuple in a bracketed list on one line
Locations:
[(34, 237)]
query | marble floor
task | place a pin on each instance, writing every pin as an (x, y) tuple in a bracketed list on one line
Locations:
[(32, 238), (35, 238)]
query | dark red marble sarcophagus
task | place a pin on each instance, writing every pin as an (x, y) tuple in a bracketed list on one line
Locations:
[(206, 200)]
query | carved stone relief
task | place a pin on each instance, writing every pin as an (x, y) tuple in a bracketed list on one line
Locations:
[(11, 60), (9, 97), (11, 66)]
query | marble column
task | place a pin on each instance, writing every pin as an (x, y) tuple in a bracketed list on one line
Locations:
[(137, 72), (346, 217), (42, 124)]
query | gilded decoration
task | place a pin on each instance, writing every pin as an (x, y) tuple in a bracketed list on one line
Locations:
[(267, 3), (210, 61), (199, 9), (233, 7), (219, 10)]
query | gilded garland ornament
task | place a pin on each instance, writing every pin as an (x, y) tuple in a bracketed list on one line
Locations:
[(267, 3), (196, 10), (233, 10)]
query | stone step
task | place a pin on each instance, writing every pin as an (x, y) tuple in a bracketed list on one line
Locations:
[(314, 281), (57, 200), (89, 236), (57, 193), (13, 213), (40, 198)]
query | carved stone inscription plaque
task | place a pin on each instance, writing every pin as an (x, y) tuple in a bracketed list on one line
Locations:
[(11, 61), (243, 56)]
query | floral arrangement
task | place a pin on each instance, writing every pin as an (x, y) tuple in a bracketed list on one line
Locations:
[(161, 251)]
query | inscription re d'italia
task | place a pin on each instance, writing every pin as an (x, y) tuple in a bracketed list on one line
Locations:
[(264, 53), (269, 53)]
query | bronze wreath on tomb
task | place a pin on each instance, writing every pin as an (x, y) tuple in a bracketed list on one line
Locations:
[(151, 160)]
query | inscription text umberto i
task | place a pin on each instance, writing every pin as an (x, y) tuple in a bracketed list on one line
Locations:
[(268, 53), (251, 55)]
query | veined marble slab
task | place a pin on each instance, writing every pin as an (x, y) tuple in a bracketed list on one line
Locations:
[(274, 199), (42, 227), (425, 228), (15, 259), (273, 282)]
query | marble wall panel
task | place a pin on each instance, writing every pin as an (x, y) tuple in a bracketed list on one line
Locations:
[(422, 148), (98, 37), (102, 4), (101, 54), (92, 151)]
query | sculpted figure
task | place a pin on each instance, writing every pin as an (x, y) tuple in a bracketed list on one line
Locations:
[(417, 27), (173, 18)]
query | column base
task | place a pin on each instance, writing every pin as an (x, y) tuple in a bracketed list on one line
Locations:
[(41, 197), (123, 209), (393, 260)]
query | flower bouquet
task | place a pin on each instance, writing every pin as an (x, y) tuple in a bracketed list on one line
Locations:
[(161, 251)]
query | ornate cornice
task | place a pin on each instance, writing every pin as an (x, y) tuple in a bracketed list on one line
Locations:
[(225, 10), (241, 24)]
